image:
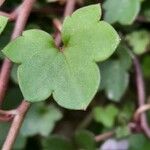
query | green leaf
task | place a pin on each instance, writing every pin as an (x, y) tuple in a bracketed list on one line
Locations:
[(122, 131), (122, 11), (56, 142), (115, 79), (146, 10), (126, 113), (124, 56), (45, 70), (14, 73), (106, 115), (138, 142), (85, 140), (41, 120), (145, 66), (3, 22), (139, 41)]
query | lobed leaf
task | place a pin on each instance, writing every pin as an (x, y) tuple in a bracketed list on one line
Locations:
[(45, 70), (122, 11)]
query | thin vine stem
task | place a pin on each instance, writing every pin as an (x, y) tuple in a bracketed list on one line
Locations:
[(22, 17), (16, 125), (141, 95)]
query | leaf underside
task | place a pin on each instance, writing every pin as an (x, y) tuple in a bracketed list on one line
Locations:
[(44, 70)]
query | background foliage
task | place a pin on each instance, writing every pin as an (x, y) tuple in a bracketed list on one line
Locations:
[(50, 127)]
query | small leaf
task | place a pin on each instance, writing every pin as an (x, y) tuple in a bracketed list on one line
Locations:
[(106, 115), (41, 120), (138, 142), (139, 41), (114, 79), (44, 70), (3, 22), (122, 11), (85, 140), (122, 131), (56, 142), (126, 113), (146, 10), (145, 66)]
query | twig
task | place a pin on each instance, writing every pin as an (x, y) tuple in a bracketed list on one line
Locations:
[(5, 73), (104, 136), (19, 26), (141, 110), (69, 7), (1, 2), (11, 16), (68, 11), (141, 95), (9, 112), (16, 125), (7, 115)]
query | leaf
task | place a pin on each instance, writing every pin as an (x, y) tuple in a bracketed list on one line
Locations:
[(146, 10), (14, 73), (122, 132), (139, 41), (45, 70), (126, 113), (124, 56), (122, 11), (106, 115), (3, 22), (85, 140), (138, 142), (40, 119), (56, 142), (115, 79), (145, 66)]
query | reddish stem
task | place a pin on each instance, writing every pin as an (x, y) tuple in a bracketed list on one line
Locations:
[(141, 95), (23, 15), (70, 5), (16, 125)]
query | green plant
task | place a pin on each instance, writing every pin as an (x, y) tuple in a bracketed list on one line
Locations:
[(80, 79)]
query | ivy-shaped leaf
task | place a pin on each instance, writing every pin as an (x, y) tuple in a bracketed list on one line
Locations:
[(122, 11), (66, 74), (139, 41), (40, 119), (106, 115), (115, 79), (3, 22), (114, 74)]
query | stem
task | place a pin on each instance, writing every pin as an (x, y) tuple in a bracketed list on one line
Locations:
[(141, 95), (23, 15), (104, 136), (68, 11), (16, 125), (69, 7), (1, 2)]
